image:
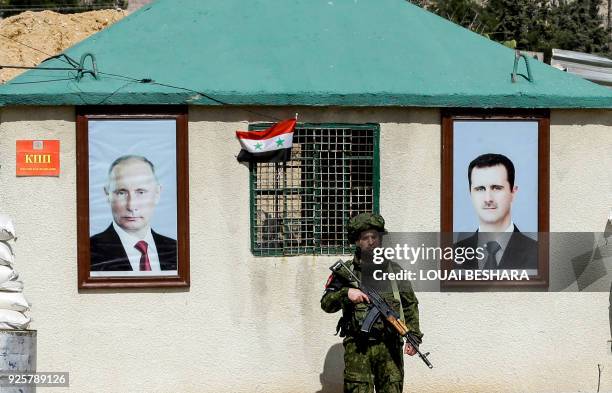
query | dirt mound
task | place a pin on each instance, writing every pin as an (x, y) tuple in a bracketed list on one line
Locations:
[(48, 31)]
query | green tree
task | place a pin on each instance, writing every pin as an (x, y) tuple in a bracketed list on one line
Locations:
[(465, 13), (579, 27), (543, 25), (535, 25), (518, 20)]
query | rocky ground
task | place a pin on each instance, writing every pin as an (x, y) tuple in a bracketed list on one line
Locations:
[(49, 32)]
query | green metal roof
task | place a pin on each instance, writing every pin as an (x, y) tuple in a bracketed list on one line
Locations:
[(299, 52)]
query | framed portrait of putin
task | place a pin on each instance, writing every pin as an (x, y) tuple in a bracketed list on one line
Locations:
[(495, 198), (132, 197)]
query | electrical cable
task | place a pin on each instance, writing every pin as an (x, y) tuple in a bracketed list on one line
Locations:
[(72, 62), (36, 68), (41, 5), (26, 45), (57, 9), (113, 93), (41, 81)]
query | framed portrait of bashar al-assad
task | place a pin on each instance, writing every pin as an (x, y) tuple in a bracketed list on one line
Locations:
[(132, 195), (495, 198)]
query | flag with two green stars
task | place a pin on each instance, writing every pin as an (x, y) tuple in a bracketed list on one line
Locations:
[(270, 145)]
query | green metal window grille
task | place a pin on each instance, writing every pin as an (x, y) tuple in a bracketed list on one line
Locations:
[(302, 206)]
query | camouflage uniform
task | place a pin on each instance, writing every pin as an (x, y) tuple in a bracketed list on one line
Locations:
[(372, 359)]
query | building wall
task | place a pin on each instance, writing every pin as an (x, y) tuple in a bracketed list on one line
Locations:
[(253, 325)]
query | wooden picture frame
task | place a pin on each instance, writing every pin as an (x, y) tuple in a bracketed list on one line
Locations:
[(132, 197), (523, 137)]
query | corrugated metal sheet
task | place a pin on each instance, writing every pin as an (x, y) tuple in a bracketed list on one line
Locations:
[(594, 68)]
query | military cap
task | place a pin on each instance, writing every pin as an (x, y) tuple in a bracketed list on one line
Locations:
[(363, 222)]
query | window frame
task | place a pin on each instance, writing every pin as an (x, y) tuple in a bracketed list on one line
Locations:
[(150, 112), (542, 117), (317, 249)]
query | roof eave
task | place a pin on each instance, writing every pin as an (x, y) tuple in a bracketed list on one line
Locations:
[(488, 101)]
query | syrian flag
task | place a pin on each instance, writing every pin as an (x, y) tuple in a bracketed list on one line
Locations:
[(270, 145)]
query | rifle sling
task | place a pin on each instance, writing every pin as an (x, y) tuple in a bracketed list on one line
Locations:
[(396, 294)]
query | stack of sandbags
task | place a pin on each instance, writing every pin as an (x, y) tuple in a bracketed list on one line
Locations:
[(13, 304)]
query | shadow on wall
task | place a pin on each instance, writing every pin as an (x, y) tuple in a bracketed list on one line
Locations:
[(332, 377)]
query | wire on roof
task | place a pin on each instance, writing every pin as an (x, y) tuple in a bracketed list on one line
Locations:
[(77, 67), (109, 2), (36, 68), (28, 46), (41, 81), (35, 9)]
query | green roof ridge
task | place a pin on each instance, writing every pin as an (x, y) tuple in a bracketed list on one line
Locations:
[(300, 52)]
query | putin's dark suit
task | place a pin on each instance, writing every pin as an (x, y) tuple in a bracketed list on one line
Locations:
[(107, 253)]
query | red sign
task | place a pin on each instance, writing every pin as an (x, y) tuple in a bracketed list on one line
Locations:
[(38, 158)]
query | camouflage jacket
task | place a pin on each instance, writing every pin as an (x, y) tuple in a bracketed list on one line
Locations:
[(335, 298)]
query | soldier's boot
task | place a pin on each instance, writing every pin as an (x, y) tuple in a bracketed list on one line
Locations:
[(358, 387)]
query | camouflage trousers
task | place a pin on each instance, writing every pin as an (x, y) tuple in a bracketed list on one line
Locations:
[(369, 364)]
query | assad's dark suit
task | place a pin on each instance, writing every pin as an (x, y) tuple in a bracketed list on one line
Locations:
[(520, 253), (107, 253)]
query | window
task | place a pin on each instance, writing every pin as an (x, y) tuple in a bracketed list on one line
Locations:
[(302, 206)]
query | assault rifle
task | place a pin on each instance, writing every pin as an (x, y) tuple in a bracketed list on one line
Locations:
[(380, 307)]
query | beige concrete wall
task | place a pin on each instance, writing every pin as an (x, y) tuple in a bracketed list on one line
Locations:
[(253, 325)]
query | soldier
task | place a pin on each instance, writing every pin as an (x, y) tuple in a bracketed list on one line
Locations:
[(371, 360)]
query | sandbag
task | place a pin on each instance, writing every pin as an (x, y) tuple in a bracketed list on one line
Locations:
[(11, 286), (7, 273), (13, 320), (7, 231), (6, 254), (13, 301)]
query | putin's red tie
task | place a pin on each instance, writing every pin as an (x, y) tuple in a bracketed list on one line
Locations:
[(145, 265)]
